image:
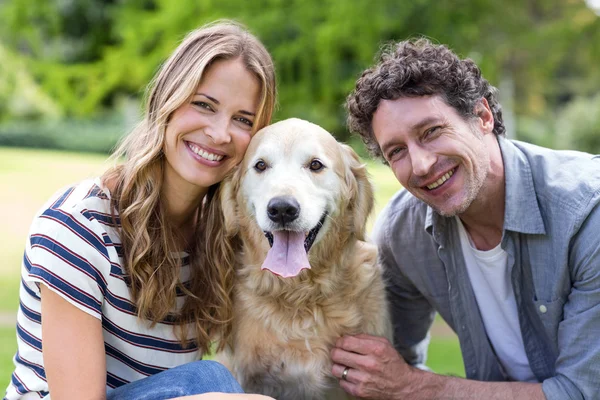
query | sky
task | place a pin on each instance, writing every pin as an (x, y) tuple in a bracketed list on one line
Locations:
[(594, 4)]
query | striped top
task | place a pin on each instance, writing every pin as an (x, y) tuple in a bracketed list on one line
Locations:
[(74, 249)]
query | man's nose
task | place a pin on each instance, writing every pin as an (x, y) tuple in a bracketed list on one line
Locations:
[(422, 160)]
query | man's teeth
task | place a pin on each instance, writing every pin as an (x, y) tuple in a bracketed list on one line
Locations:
[(440, 181), (204, 154)]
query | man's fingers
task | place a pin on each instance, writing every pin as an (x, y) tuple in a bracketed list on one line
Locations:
[(371, 337), (347, 358), (361, 344), (337, 371), (353, 375)]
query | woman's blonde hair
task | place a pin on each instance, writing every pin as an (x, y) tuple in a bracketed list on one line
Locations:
[(150, 243)]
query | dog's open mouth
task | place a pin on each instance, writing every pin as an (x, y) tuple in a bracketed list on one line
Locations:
[(288, 253), (309, 237)]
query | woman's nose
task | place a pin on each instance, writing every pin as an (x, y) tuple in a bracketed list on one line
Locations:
[(218, 132)]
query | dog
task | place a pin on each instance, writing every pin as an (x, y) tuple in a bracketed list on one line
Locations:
[(305, 274)]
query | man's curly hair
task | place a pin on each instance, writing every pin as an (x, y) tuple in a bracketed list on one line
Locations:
[(414, 68)]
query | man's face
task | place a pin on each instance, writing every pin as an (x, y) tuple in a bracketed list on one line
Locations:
[(435, 154)]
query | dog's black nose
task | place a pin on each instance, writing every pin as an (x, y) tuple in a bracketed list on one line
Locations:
[(283, 209)]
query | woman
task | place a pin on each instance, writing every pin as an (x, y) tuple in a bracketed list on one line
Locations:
[(127, 276)]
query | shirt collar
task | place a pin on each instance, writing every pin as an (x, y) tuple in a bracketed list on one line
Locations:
[(522, 212)]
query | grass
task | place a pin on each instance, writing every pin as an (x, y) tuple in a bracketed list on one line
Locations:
[(29, 177), (7, 351), (444, 356)]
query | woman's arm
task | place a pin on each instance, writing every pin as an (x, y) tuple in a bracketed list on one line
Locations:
[(73, 350)]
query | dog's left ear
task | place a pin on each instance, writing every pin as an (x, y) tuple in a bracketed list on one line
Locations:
[(360, 196), (227, 197)]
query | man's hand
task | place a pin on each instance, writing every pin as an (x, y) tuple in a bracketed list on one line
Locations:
[(376, 371)]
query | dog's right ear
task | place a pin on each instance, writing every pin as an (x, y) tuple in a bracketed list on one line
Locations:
[(361, 193), (227, 197)]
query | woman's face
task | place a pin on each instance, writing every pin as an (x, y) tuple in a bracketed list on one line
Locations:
[(208, 136)]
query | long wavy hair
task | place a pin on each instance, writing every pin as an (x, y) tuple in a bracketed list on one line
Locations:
[(151, 244)]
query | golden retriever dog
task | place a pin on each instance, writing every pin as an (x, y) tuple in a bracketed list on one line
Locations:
[(305, 274)]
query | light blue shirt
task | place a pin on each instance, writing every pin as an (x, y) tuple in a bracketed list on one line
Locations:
[(552, 237)]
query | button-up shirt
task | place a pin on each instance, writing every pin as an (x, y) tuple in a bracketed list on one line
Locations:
[(552, 236)]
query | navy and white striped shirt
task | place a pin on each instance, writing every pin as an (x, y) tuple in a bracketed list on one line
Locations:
[(74, 249)]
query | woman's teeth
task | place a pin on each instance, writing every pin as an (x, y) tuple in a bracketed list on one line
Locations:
[(204, 154), (441, 180)]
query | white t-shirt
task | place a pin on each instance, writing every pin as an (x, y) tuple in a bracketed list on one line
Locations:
[(490, 279), (74, 249)]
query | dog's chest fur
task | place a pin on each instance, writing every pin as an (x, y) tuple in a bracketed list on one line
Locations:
[(288, 331)]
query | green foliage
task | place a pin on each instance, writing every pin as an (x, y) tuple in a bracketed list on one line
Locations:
[(82, 56), (578, 125), (575, 126), (98, 136), (20, 96)]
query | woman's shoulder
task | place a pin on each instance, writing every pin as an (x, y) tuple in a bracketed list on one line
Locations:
[(73, 247), (90, 194), (82, 210)]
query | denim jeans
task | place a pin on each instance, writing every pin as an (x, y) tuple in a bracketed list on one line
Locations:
[(193, 378)]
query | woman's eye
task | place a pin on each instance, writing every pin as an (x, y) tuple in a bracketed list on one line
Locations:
[(260, 166), (245, 121), (202, 104), (316, 165)]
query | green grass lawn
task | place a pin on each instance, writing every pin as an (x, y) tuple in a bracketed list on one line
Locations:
[(444, 356), (7, 351), (29, 177)]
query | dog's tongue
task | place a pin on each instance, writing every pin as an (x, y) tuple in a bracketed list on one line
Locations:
[(287, 257)]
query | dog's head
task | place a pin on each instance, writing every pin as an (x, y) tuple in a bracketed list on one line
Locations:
[(296, 192)]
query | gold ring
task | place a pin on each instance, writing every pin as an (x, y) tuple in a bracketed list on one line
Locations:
[(345, 373)]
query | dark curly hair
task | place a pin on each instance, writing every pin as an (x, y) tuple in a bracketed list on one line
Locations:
[(414, 68)]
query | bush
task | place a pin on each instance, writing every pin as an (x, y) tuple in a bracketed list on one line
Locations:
[(578, 125), (97, 136)]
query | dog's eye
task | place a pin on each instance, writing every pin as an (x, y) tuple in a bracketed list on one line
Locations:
[(316, 165), (260, 166)]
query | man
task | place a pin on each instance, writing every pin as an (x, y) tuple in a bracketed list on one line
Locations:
[(499, 237)]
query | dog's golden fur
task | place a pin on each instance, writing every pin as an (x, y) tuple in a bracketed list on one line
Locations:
[(284, 328)]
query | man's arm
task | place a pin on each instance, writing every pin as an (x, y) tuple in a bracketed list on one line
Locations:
[(577, 369), (377, 371), (410, 312)]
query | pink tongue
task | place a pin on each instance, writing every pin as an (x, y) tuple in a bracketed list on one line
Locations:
[(287, 257)]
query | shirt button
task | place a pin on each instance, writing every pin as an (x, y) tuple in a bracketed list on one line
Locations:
[(543, 309)]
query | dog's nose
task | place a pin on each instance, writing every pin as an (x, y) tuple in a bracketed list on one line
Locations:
[(283, 209)]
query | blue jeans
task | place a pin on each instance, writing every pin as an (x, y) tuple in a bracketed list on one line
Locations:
[(193, 378)]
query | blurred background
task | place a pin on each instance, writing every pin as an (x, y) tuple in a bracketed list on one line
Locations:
[(73, 72)]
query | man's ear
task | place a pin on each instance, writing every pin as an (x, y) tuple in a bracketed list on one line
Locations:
[(360, 190), (227, 197), (485, 115)]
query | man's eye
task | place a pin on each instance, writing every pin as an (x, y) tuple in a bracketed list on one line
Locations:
[(316, 165), (396, 153), (260, 166), (431, 131)]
